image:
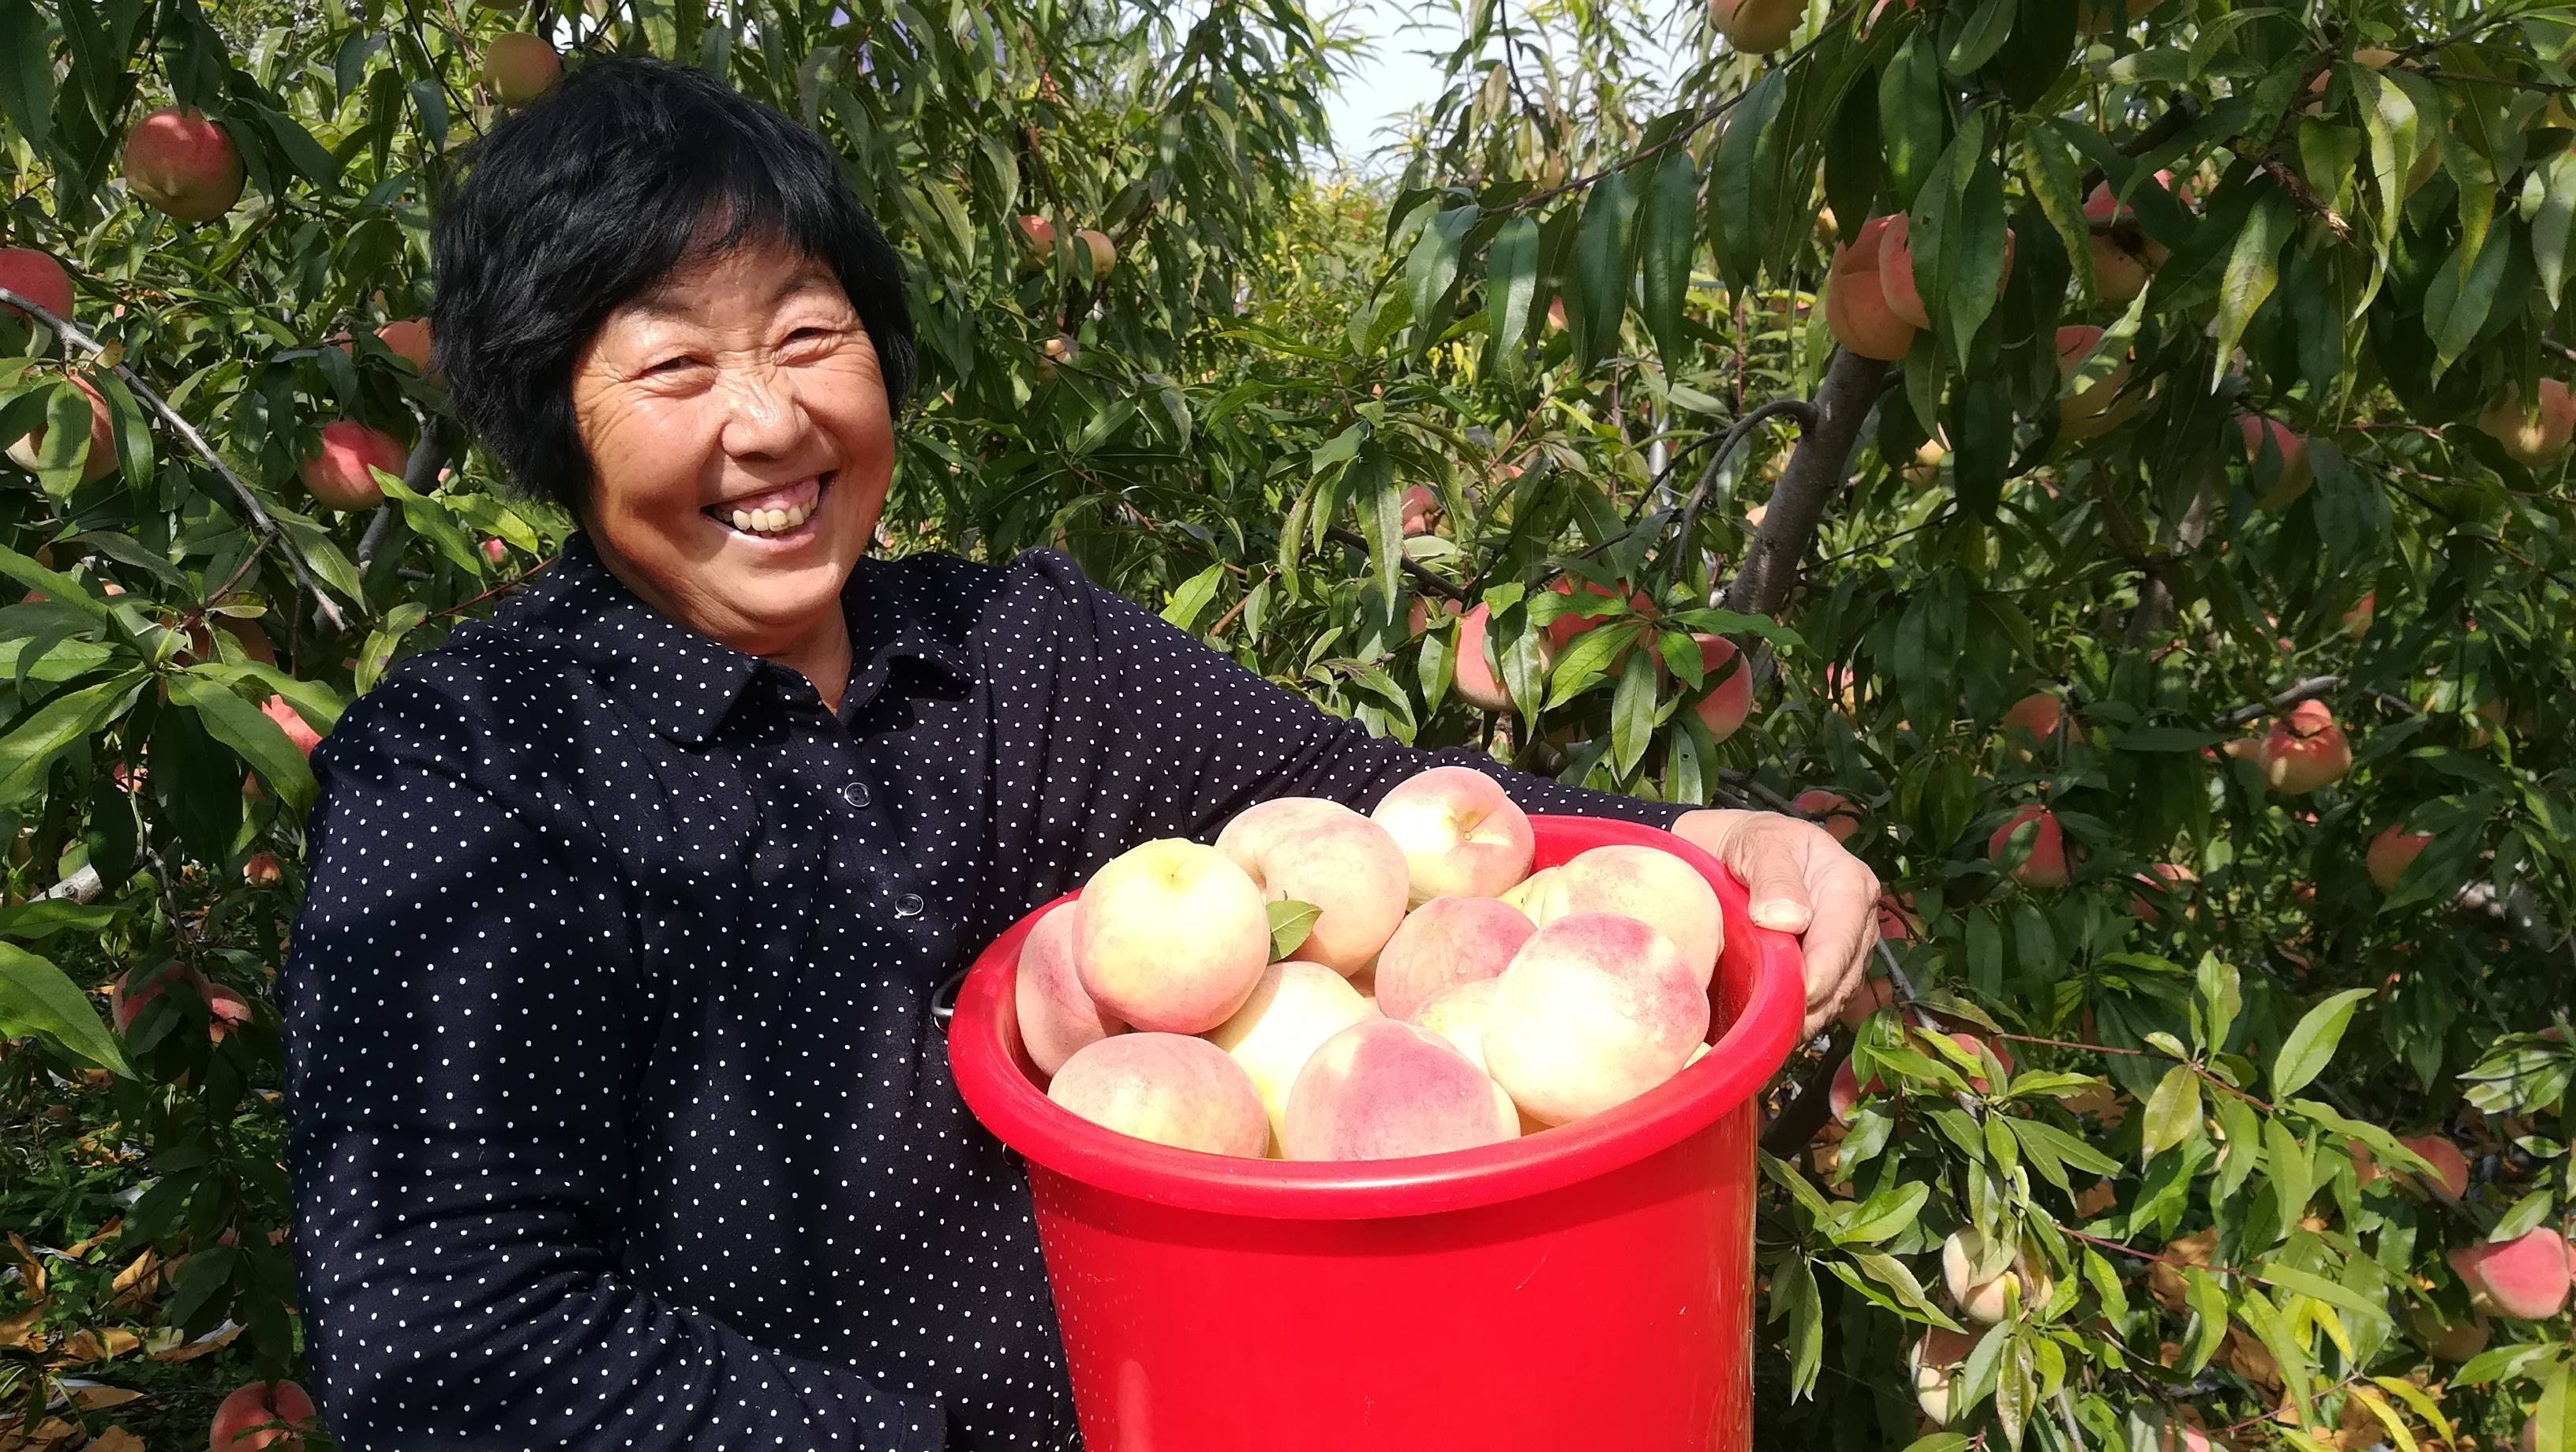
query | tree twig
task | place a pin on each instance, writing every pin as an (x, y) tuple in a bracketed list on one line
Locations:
[(2306, 690), (1422, 575), (265, 526)]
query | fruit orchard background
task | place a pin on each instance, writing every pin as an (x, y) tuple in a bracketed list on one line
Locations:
[(1587, 321)]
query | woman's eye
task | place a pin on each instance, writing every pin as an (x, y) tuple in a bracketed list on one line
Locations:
[(808, 335), (671, 365)]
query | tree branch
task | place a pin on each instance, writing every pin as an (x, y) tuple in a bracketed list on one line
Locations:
[(1736, 433), (2307, 690), (1421, 574), (265, 526), (1817, 469)]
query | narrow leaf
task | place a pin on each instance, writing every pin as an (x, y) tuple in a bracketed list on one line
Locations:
[(37, 998), (2305, 1053)]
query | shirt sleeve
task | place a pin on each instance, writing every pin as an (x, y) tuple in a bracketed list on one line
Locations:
[(1222, 738), (462, 1030)]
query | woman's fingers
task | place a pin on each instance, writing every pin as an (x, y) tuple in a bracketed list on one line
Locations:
[(1839, 940), (1775, 863)]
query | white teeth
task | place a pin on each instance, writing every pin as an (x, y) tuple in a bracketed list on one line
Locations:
[(772, 521), (797, 516), (741, 520)]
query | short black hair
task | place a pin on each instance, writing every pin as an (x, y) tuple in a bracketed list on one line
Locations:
[(626, 171)]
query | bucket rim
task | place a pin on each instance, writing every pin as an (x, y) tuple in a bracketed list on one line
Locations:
[(1000, 1090)]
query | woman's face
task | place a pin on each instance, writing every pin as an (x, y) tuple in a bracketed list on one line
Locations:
[(740, 446)]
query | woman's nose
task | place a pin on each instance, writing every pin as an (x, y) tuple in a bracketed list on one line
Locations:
[(764, 416)]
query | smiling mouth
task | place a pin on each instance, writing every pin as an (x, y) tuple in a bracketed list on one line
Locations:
[(774, 513)]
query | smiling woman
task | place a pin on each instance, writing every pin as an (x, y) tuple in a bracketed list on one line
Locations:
[(619, 1102)]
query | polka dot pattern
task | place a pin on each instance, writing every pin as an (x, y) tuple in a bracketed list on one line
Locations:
[(620, 1113)]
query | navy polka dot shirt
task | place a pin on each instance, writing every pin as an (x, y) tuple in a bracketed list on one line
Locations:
[(620, 1111)]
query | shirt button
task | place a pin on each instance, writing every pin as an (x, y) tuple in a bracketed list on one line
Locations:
[(908, 905), (856, 794)]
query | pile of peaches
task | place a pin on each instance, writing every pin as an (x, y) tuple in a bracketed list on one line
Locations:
[(1324, 985)]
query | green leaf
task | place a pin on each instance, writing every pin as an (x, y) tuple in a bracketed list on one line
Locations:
[(2244, 1133), (2389, 120), (1511, 280), (27, 83), (1632, 712), (2549, 231), (1736, 203), (1793, 1296), (2220, 998), (2173, 1112), (2208, 1302), (62, 589), (2333, 1293), (2253, 271), (37, 998), (2053, 171), (1600, 295), (1984, 34), (1884, 1215), (1192, 598), (252, 736), (2310, 1045), (28, 751), (1432, 271), (1290, 922), (1913, 115), (1379, 497), (1668, 233), (2553, 1422), (1942, 1442), (2292, 1168)]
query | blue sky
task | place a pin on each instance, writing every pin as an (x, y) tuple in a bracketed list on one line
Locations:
[(1392, 80)]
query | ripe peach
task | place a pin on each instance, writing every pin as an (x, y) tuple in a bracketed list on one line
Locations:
[(1478, 679), (1728, 687), (2032, 723), (1846, 1091), (1443, 943), (2524, 1278), (1292, 1010), (1594, 1010), (1104, 253), (1856, 304), (1170, 936), (1383, 1089), (2304, 750), (177, 160), (1308, 849), (1527, 893), (1756, 27), (292, 722), (2162, 881), (1648, 884), (1460, 834), (2356, 621), (1418, 507), (2101, 207), (2119, 275), (265, 1414), (38, 278), (1896, 270), (2265, 436), (519, 67), (262, 870), (2450, 1167), (1459, 1015), (2535, 438), (2046, 864), (1168, 1088), (494, 550), (2392, 852), (101, 460), (1873, 993), (410, 340), (1984, 1300), (1057, 1017), (1935, 1361), (136, 987), (1832, 810), (339, 473), (1562, 631), (225, 1006), (2096, 408), (1924, 469), (1037, 236)]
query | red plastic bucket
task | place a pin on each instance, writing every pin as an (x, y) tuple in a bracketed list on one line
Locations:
[(1589, 1287)]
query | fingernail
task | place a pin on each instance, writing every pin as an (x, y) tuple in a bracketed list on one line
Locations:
[(1786, 917)]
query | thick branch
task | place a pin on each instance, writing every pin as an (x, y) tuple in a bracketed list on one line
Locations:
[(1817, 470), (267, 527), (1794, 408)]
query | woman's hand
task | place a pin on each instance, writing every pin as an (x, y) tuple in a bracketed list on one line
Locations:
[(1803, 882)]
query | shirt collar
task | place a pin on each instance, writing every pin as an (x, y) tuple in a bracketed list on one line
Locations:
[(684, 684)]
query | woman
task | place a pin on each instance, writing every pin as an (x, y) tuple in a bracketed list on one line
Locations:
[(620, 1107)]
